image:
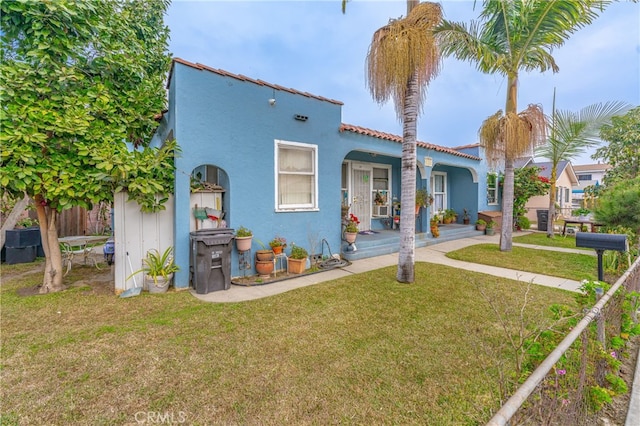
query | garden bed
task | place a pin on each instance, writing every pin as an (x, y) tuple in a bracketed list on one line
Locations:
[(253, 280)]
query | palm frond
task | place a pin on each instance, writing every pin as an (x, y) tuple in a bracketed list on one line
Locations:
[(572, 133), (513, 135), (491, 137), (400, 49), (510, 36)]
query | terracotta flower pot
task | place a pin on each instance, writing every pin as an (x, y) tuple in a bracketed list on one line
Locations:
[(264, 255), (297, 266), (277, 249), (264, 268), (350, 237)]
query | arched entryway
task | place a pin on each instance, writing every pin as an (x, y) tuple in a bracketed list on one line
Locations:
[(209, 201)]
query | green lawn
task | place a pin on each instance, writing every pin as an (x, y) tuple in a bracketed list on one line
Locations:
[(359, 350), (566, 265), (541, 239)]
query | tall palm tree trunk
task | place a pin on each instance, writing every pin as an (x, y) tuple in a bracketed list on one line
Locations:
[(406, 256), (552, 202), (506, 231)]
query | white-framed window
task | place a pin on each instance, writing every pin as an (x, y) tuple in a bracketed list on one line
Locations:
[(492, 189), (296, 173)]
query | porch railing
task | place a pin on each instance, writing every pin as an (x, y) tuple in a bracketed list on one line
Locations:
[(631, 281)]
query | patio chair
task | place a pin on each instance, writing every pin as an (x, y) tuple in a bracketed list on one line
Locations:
[(68, 253)]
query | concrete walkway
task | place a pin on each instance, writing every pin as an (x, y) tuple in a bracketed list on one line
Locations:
[(432, 254)]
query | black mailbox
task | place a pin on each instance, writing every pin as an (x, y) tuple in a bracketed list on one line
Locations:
[(602, 241)]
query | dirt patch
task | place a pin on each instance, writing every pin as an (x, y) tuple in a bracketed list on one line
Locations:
[(93, 280)]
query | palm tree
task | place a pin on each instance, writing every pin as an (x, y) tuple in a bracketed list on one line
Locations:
[(402, 59), (514, 36), (570, 134)]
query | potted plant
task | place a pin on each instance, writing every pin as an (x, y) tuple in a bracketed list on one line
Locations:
[(450, 215), (466, 218), (277, 244), (435, 231), (481, 225), (582, 213), (243, 239), (351, 229), (264, 254), (490, 230), (297, 260), (423, 199), (158, 269)]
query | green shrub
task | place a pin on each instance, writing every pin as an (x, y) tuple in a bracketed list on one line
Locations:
[(617, 384), (523, 222), (599, 397)]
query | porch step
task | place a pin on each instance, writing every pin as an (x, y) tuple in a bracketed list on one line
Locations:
[(386, 242)]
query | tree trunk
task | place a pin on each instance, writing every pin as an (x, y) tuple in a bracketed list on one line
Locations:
[(506, 232), (552, 201), (12, 219), (406, 257), (48, 217)]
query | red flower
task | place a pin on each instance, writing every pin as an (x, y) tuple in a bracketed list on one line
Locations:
[(354, 219)]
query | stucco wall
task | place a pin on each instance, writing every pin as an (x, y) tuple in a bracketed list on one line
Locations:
[(229, 123)]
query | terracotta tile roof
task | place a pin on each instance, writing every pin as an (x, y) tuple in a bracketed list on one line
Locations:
[(471, 145), (395, 138), (248, 79)]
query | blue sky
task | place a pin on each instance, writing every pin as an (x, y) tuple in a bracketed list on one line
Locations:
[(311, 46)]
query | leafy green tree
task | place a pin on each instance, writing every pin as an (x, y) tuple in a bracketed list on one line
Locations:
[(514, 36), (527, 183), (570, 134), (80, 80), (619, 204), (623, 149)]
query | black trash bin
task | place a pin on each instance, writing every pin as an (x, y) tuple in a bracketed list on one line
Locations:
[(211, 259), (543, 219), (22, 245)]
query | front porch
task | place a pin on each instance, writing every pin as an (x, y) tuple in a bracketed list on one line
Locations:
[(388, 241)]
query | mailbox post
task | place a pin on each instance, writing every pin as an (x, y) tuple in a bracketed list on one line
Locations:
[(600, 243)]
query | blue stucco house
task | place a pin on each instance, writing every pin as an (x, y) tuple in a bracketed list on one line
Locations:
[(287, 164)]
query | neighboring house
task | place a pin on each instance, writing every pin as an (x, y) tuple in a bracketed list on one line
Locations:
[(286, 164), (565, 180), (588, 175)]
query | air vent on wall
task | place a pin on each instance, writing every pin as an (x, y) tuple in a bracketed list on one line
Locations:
[(301, 117)]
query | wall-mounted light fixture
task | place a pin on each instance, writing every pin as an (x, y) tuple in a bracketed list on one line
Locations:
[(272, 101)]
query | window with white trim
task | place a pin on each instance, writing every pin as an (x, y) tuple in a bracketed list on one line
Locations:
[(492, 189), (296, 176)]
